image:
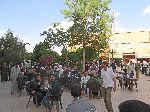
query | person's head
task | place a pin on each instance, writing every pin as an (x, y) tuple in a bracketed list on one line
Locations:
[(133, 106), (131, 62), (38, 78), (113, 61), (52, 77), (76, 90), (85, 73), (104, 64), (34, 71), (16, 65)]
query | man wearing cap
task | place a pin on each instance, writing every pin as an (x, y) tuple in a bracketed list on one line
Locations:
[(78, 104), (108, 83)]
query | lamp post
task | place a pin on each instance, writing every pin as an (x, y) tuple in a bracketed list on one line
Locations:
[(112, 54)]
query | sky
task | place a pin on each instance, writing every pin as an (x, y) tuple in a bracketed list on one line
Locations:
[(28, 18)]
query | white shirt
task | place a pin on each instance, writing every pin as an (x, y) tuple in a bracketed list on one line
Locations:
[(84, 79), (107, 77), (130, 68)]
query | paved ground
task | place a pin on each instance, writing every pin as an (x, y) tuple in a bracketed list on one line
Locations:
[(14, 103)]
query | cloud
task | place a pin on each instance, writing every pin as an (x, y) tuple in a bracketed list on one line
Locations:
[(146, 10), (116, 13), (143, 29), (2, 31), (64, 24), (26, 39), (127, 5), (32, 42), (118, 28)]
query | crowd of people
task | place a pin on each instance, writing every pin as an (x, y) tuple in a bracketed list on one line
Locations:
[(46, 83)]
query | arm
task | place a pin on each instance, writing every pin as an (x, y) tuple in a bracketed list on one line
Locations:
[(114, 79)]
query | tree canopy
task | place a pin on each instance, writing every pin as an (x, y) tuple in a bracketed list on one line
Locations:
[(91, 23), (12, 49), (91, 29), (42, 53)]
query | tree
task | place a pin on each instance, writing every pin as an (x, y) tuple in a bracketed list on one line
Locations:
[(12, 49), (40, 50), (43, 53), (57, 36), (28, 56), (90, 53), (91, 23)]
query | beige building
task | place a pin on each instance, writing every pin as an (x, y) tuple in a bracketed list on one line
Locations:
[(131, 45)]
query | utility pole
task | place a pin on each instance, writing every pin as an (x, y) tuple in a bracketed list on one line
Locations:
[(112, 53)]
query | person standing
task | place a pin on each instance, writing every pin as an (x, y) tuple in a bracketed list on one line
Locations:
[(108, 83), (78, 104), (15, 71), (54, 92), (137, 69), (130, 67), (84, 80), (124, 67), (113, 65)]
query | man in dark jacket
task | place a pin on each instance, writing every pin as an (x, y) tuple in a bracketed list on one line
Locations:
[(53, 93), (55, 88), (35, 90)]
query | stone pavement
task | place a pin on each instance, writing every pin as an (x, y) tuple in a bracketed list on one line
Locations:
[(14, 103)]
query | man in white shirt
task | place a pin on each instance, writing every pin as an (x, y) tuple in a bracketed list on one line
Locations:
[(108, 83), (130, 67), (84, 80)]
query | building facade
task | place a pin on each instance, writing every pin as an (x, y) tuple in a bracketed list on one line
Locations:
[(131, 45)]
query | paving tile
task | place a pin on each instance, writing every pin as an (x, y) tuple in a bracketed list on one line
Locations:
[(13, 103)]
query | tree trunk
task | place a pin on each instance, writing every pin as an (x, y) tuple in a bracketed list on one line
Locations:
[(66, 56), (83, 69), (67, 62)]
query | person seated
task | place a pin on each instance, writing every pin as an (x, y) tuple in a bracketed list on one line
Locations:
[(21, 80), (94, 84), (133, 106), (78, 104), (131, 75), (35, 90), (53, 90)]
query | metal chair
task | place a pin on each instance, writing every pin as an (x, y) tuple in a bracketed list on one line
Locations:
[(51, 102), (36, 100)]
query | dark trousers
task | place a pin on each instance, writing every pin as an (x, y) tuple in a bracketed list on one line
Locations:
[(107, 98), (84, 88), (144, 70)]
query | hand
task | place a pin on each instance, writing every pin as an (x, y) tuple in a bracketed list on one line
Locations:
[(114, 88)]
